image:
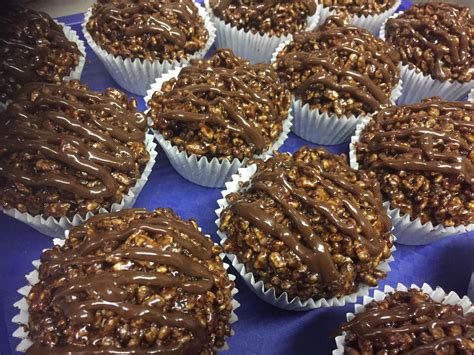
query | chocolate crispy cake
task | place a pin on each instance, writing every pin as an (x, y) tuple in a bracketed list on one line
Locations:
[(148, 29), (435, 38), (339, 69), (308, 225), (410, 322), (423, 157), (66, 150), (269, 17), (32, 48), (221, 107), (131, 282), (359, 7)]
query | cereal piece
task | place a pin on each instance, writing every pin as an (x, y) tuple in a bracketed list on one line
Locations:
[(423, 157), (409, 322), (66, 150), (222, 107), (84, 303), (309, 225), (32, 48), (437, 39), (148, 29), (270, 17), (340, 69)]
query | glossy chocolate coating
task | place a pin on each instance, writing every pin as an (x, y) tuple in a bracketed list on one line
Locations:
[(422, 155), (66, 140), (136, 268), (358, 7), (436, 39)]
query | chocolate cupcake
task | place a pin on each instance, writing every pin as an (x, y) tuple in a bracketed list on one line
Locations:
[(253, 29), (140, 40), (68, 152), (409, 321), (130, 281), (306, 230), (33, 47), (368, 14), (435, 41), (338, 73), (212, 115), (422, 156)]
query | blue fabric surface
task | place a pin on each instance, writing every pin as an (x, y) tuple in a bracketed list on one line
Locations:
[(262, 328)]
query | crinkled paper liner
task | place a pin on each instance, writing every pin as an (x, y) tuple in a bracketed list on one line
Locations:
[(55, 227), (437, 295), (269, 295), (33, 278), (72, 36), (255, 47), (76, 73), (418, 86), (322, 127), (471, 96), (407, 231), (200, 170), (369, 22), (137, 75)]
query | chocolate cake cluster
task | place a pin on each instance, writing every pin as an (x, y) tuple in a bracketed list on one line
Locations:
[(131, 282), (66, 150), (423, 157), (410, 322), (221, 107), (339, 69), (309, 225), (32, 48), (437, 39), (148, 29), (269, 17), (359, 7)]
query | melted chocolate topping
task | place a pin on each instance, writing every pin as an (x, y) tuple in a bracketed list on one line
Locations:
[(442, 32), (319, 53), (220, 5), (310, 248), (80, 297), (61, 123)]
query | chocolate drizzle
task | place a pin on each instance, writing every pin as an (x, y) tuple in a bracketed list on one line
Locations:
[(79, 297), (86, 132), (322, 53), (219, 6), (300, 236), (442, 32), (29, 43), (404, 317)]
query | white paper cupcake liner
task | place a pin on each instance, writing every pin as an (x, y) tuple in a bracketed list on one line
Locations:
[(471, 96), (72, 36), (200, 170), (407, 231), (255, 47), (438, 295), (369, 22), (54, 227), (33, 278), (418, 86), (269, 295), (137, 75)]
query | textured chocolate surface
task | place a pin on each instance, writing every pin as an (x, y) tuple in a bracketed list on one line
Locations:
[(148, 29), (359, 7), (32, 48), (309, 225), (270, 17), (131, 281), (65, 149), (437, 39), (423, 157), (339, 69), (410, 322), (222, 107)]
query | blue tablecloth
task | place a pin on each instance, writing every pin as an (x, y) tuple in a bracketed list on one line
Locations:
[(262, 328)]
